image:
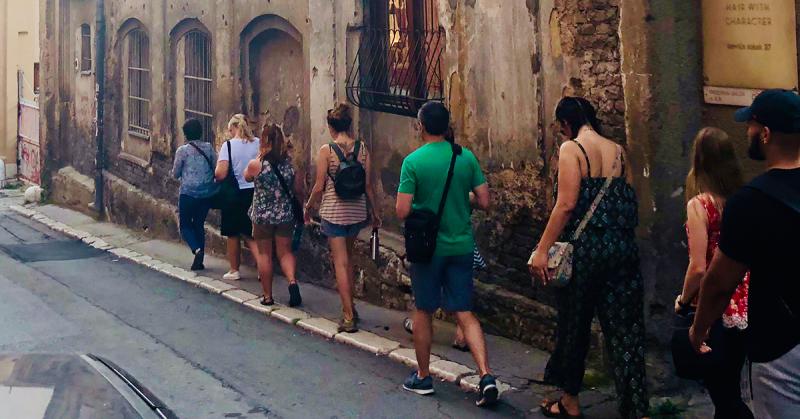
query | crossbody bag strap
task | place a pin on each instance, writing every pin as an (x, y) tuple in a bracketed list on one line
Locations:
[(298, 213), (208, 159), (230, 160), (598, 198), (447, 184)]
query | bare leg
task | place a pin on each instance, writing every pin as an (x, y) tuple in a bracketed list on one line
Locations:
[(351, 269), (459, 339), (283, 245), (254, 249), (475, 339), (234, 253), (340, 265), (264, 261), (423, 332)]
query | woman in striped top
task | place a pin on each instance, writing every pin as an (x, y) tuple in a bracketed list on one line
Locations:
[(342, 219)]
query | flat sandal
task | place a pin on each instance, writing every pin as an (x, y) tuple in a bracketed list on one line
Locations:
[(562, 411)]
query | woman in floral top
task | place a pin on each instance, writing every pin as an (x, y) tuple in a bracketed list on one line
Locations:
[(271, 212), (714, 176)]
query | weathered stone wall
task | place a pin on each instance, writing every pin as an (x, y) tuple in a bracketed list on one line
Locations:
[(69, 103), (503, 77), (505, 66)]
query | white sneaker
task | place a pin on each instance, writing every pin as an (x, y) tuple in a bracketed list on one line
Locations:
[(232, 276)]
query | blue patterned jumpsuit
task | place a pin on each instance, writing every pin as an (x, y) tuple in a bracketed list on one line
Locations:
[(606, 280)]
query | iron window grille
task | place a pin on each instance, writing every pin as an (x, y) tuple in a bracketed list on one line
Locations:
[(86, 48), (398, 65), (139, 88), (197, 81)]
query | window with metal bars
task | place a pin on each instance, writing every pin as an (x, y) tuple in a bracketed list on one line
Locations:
[(86, 48), (197, 81), (398, 65), (139, 84)]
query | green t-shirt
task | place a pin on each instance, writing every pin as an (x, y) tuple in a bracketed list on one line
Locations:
[(424, 174)]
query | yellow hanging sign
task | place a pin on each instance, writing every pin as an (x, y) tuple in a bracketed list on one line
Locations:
[(750, 44)]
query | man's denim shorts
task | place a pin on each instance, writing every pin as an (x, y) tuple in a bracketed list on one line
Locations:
[(332, 230), (444, 283)]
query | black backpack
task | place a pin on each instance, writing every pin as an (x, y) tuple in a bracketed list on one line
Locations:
[(351, 179)]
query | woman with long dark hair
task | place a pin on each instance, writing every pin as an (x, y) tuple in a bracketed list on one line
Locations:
[(715, 175), (271, 213), (606, 279)]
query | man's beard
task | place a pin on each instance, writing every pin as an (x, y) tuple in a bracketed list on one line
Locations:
[(755, 152)]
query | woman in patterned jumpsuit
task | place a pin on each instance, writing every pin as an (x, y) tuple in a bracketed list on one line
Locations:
[(606, 277)]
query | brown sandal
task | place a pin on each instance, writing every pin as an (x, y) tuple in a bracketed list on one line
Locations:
[(547, 410)]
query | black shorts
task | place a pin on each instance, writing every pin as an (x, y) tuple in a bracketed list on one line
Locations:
[(235, 220)]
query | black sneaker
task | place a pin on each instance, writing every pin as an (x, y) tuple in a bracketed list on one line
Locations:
[(197, 265), (418, 385), (294, 295), (489, 392)]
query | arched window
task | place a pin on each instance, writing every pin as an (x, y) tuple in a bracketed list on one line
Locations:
[(139, 91), (197, 81)]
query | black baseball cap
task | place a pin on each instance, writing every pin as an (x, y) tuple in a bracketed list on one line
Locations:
[(777, 109)]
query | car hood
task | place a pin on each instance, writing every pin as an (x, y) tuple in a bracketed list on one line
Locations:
[(58, 386)]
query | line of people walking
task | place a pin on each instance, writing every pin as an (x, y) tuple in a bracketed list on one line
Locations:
[(253, 182), (738, 276)]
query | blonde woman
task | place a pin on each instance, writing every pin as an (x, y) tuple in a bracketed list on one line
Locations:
[(234, 156), (343, 218)]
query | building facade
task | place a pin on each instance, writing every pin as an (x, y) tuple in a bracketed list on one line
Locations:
[(501, 67), (19, 61)]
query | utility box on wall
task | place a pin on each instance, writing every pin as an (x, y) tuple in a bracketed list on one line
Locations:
[(748, 46)]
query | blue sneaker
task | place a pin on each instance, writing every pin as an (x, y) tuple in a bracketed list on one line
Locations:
[(489, 393), (420, 386)]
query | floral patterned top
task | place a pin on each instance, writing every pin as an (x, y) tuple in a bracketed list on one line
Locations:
[(271, 205), (736, 313)]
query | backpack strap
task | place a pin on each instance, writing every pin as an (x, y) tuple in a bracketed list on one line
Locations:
[(338, 150), (356, 150), (778, 191)]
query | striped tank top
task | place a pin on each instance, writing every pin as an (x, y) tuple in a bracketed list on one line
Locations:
[(336, 210)]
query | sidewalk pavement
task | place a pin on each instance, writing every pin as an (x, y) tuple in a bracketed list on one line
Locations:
[(518, 367)]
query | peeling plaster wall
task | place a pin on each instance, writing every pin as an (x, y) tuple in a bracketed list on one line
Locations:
[(71, 96), (505, 66)]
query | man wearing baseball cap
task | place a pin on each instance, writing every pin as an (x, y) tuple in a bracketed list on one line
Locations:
[(761, 234)]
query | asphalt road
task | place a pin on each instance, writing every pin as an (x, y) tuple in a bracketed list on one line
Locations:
[(204, 356)]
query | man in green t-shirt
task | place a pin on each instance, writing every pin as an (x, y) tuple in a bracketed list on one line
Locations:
[(445, 282)]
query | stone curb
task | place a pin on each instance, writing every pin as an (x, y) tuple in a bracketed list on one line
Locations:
[(446, 370)]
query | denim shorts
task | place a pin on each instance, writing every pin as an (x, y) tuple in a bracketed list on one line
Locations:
[(444, 283), (337, 230)]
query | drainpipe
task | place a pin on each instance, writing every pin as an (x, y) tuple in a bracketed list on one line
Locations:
[(100, 88)]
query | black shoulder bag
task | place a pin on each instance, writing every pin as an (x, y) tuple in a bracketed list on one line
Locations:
[(297, 209), (229, 188), (422, 226)]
